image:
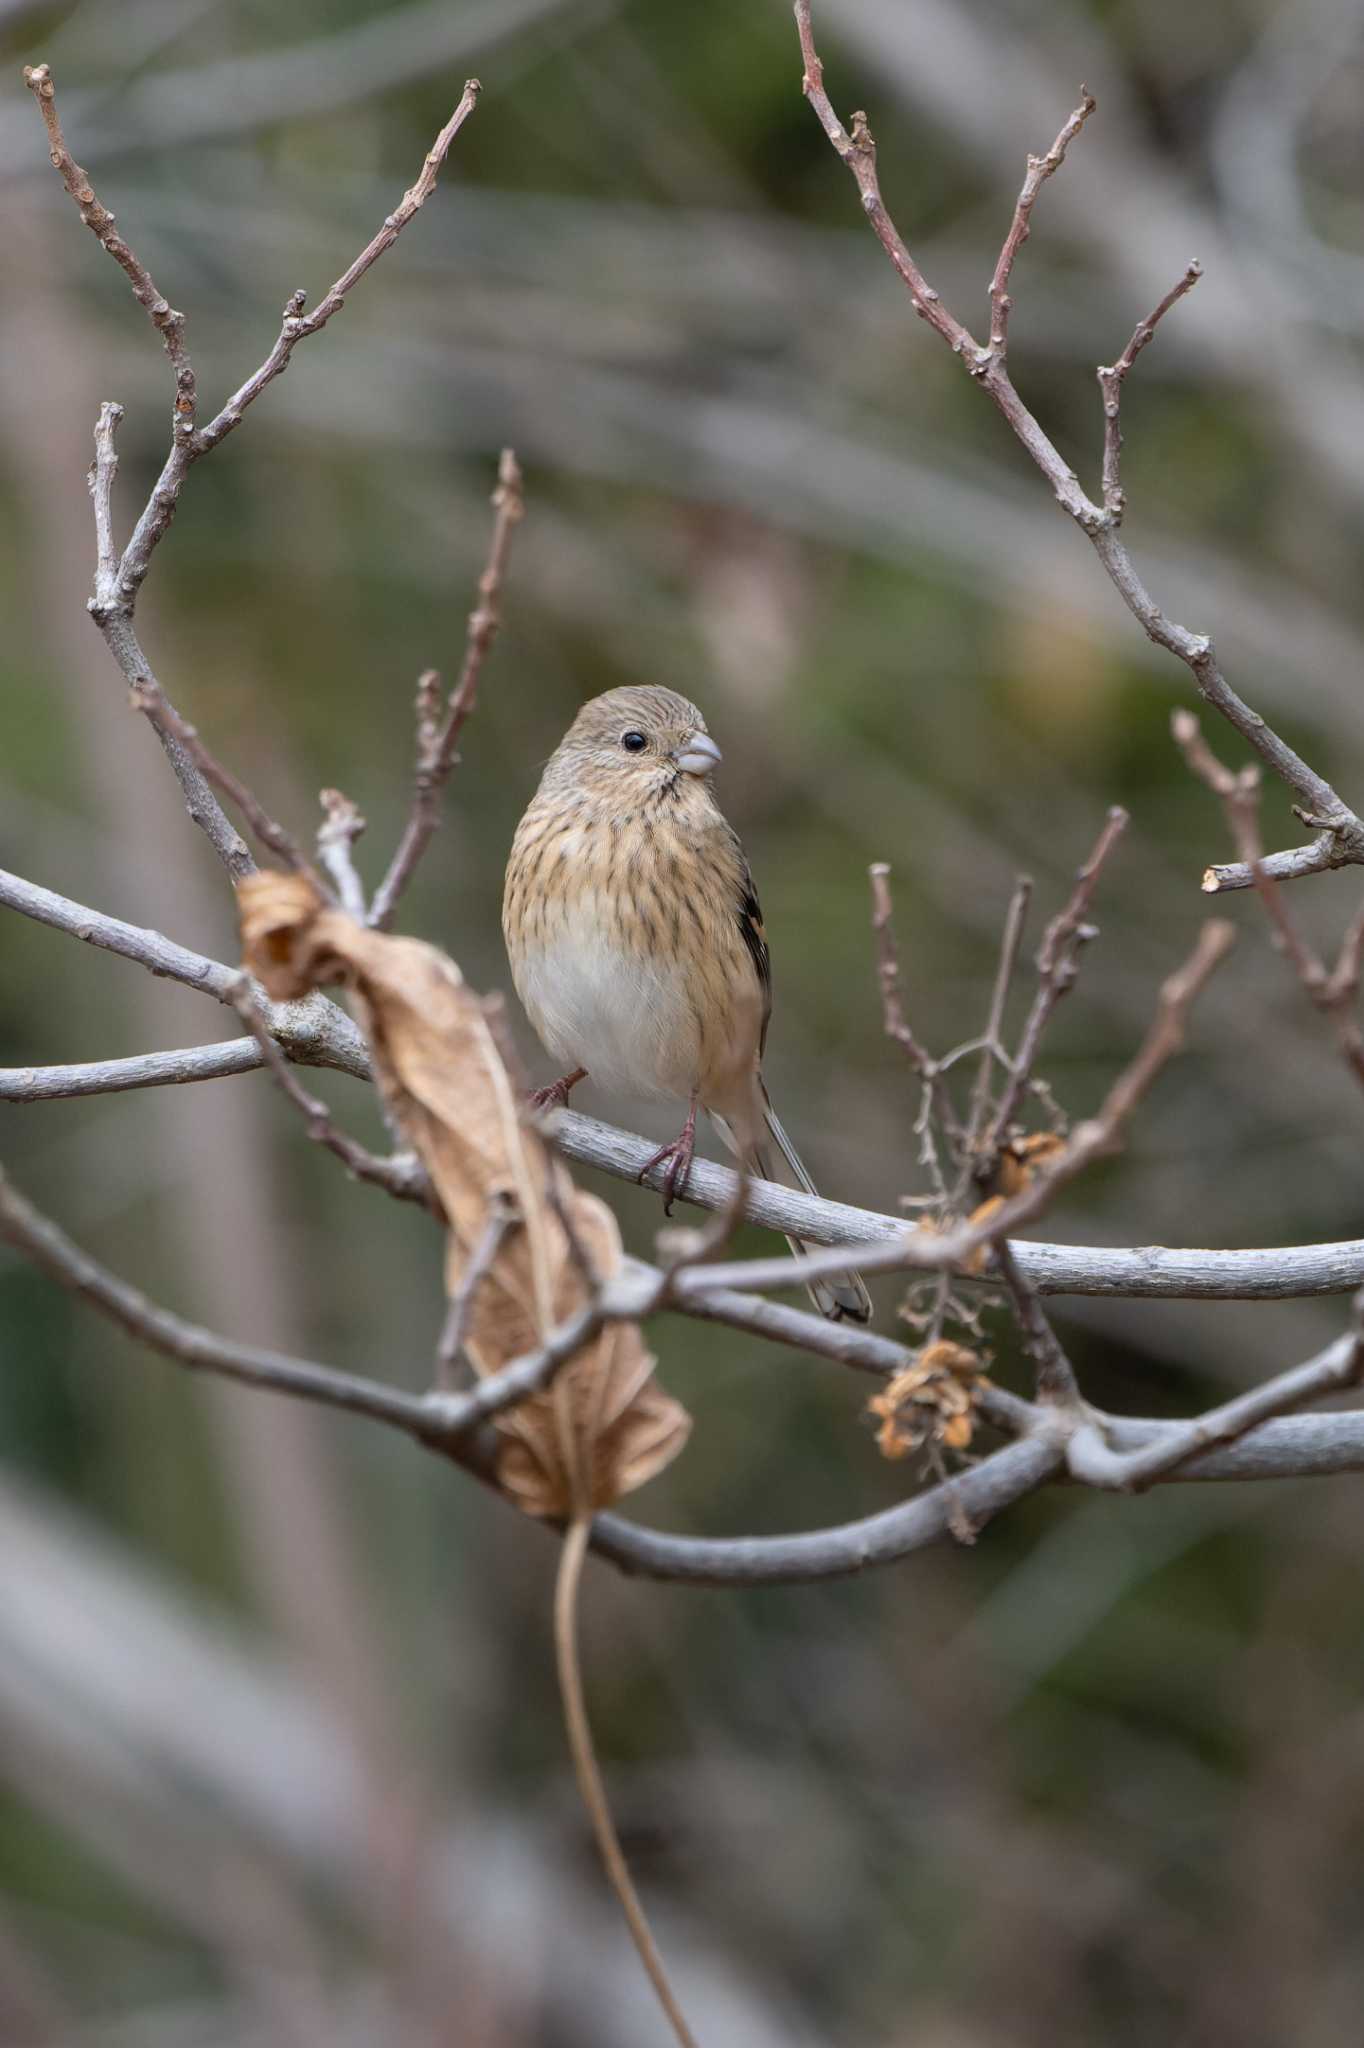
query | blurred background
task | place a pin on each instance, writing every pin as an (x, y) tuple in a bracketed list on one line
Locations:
[(280, 1751)]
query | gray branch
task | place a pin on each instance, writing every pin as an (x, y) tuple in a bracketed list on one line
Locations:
[(317, 1033), (1291, 1447)]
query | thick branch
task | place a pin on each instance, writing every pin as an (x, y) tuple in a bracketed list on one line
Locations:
[(316, 1033), (442, 1422), (1092, 1460)]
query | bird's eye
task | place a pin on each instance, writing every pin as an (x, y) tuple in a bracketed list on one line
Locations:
[(633, 742)]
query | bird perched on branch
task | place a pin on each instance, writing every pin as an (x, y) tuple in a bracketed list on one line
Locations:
[(636, 941)]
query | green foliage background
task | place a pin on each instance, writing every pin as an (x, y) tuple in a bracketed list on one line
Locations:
[(1095, 1779)]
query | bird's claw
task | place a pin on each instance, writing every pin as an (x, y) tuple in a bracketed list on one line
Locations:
[(679, 1155), (555, 1096)]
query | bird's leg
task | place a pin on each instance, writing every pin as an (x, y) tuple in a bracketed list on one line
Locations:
[(679, 1157), (556, 1095)]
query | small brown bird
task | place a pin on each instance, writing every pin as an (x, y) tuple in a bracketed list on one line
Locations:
[(636, 941)]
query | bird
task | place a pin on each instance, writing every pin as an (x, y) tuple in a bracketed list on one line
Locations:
[(636, 939)]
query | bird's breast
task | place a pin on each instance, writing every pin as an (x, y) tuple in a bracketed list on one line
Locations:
[(627, 952), (599, 1001)]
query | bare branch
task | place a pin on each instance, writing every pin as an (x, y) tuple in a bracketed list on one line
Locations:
[(935, 1102), (445, 1423), (139, 1070), (973, 1497), (992, 1043), (503, 1216), (313, 1030), (1040, 168), (957, 1249), (894, 1021), (1323, 854), (1056, 1381), (1111, 383), (402, 1176), (316, 1033), (115, 623), (169, 324), (1062, 939), (202, 1350), (148, 697), (1332, 993), (988, 368), (1091, 1460), (117, 581), (296, 326), (102, 474), (341, 826), (437, 740)]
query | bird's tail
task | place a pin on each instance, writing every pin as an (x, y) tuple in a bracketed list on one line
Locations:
[(839, 1296)]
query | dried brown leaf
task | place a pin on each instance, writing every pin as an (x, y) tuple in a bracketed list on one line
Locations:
[(1022, 1156), (930, 1403), (603, 1427)]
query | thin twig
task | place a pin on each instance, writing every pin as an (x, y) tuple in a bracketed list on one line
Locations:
[(985, 365), (296, 326), (169, 324), (401, 1176), (117, 585), (341, 826), (1333, 993), (148, 697), (927, 1251), (1040, 168), (991, 1043), (1056, 1381), (1111, 383), (116, 624), (936, 1106), (41, 1240), (503, 1216), (1066, 932), (102, 474), (437, 739)]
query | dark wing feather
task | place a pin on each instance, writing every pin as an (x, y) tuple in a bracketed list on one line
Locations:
[(751, 925)]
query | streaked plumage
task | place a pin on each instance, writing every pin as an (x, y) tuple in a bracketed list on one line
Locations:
[(634, 932)]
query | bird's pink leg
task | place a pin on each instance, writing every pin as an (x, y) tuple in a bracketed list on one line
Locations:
[(679, 1156), (556, 1095)]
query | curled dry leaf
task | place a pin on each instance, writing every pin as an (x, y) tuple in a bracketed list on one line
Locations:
[(1022, 1156), (931, 1403), (604, 1426)]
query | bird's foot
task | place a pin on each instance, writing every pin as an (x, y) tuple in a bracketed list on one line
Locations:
[(556, 1095), (679, 1155)]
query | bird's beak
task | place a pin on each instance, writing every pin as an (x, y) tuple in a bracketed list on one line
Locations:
[(698, 755)]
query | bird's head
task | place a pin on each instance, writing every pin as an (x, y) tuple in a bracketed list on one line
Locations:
[(634, 744)]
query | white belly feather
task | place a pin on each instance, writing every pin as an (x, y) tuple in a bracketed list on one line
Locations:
[(626, 1017)]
